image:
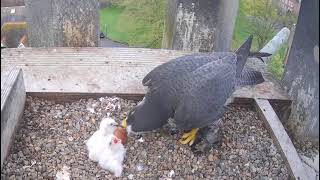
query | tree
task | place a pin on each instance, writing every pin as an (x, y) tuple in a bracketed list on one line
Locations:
[(263, 15), (288, 18)]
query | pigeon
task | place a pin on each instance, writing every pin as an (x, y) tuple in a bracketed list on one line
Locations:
[(101, 139), (106, 146)]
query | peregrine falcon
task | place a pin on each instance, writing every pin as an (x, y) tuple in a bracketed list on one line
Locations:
[(193, 90)]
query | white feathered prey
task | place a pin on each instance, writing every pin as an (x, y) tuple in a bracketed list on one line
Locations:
[(113, 157), (106, 149)]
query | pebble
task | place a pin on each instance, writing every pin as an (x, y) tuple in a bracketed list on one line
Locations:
[(46, 143), (211, 158), (252, 168)]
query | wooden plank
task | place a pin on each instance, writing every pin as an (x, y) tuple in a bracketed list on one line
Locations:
[(13, 96), (282, 140), (85, 70), (102, 70), (71, 97)]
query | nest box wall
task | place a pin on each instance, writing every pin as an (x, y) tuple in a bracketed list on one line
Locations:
[(301, 78), (63, 23)]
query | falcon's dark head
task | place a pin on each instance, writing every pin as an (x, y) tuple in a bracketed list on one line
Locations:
[(144, 117)]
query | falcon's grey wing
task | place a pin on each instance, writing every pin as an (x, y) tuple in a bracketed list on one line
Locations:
[(209, 88), (181, 65), (165, 83), (175, 66), (249, 77)]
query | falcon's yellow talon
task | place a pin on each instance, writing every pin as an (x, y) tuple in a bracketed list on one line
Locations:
[(185, 140), (192, 141), (189, 137), (185, 135)]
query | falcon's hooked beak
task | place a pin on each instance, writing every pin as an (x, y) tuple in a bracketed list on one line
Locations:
[(125, 126), (124, 123)]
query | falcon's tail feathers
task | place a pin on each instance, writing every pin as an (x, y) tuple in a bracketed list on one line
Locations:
[(244, 52), (259, 55), (249, 77), (242, 55)]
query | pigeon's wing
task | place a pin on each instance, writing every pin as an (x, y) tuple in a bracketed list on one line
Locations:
[(208, 89)]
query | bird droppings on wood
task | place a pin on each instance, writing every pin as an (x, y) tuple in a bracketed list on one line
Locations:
[(52, 136)]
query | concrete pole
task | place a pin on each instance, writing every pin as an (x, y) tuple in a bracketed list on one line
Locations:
[(289, 43), (301, 78), (63, 23), (200, 25), (275, 43)]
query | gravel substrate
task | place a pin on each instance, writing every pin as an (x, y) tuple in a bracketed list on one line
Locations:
[(52, 136), (305, 148)]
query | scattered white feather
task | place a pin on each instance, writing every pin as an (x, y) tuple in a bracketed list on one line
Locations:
[(90, 109), (63, 174), (70, 138), (171, 174), (113, 107), (141, 140), (110, 106), (139, 167), (33, 162), (103, 149), (114, 99), (130, 176)]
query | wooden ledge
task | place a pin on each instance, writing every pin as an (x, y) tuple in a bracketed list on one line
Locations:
[(13, 96)]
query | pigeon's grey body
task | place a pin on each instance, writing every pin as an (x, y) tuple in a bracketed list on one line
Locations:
[(192, 89)]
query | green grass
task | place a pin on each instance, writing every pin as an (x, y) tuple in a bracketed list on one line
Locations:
[(109, 24), (139, 23), (276, 65), (242, 29)]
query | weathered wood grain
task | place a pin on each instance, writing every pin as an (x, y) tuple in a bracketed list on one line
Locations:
[(102, 70), (13, 96)]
